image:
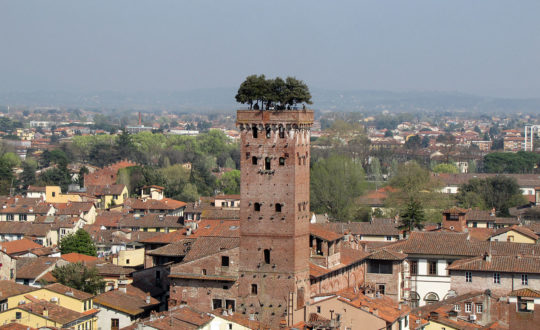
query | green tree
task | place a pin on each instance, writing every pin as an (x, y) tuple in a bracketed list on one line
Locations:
[(80, 277), (413, 142), (124, 145), (229, 183), (80, 242), (335, 183), (508, 162), (82, 172), (499, 192), (28, 175), (412, 216)]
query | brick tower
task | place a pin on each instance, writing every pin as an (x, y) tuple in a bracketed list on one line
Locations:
[(274, 212)]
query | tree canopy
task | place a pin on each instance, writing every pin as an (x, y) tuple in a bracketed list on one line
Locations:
[(335, 183), (78, 276), (509, 162), (500, 192), (80, 242), (272, 92)]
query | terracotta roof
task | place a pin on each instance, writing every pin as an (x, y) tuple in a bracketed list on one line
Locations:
[(101, 190), (18, 246), (458, 244), (113, 270), (320, 231), (480, 234), (10, 289), (455, 210), (72, 208), (382, 307), (376, 197), (108, 219), (20, 205), (176, 249), (67, 291), (181, 317), (16, 326), (152, 220), (527, 292), (56, 313), (205, 246), (235, 197), (522, 230), (384, 254), (375, 228), (77, 257), (106, 175), (165, 204), (446, 304), (348, 257), (220, 213), (35, 189), (221, 228), (31, 268), (132, 302), (508, 264)]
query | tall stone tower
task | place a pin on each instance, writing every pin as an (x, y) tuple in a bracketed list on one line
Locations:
[(274, 212)]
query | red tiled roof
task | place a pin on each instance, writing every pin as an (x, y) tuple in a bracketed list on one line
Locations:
[(18, 246), (382, 307), (320, 231), (165, 204), (508, 264), (10, 288), (101, 190), (77, 257), (67, 291), (527, 292), (522, 230), (132, 302)]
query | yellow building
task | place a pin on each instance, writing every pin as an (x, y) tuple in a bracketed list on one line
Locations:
[(53, 194), (516, 234), (129, 258), (108, 195)]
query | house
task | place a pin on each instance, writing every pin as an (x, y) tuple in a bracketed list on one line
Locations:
[(113, 274), (23, 209), (348, 309), (152, 192), (20, 248), (9, 266), (473, 310), (35, 192), (384, 273), (166, 206), (523, 308), (458, 219), (376, 230), (227, 201), (452, 182), (106, 175), (11, 294), (498, 273), (31, 270), (85, 210), (43, 313), (108, 195), (121, 307), (42, 233), (53, 194), (152, 222), (518, 234)]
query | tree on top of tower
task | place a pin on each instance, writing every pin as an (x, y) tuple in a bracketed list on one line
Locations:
[(272, 93)]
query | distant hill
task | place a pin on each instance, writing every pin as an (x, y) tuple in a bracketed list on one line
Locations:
[(222, 99)]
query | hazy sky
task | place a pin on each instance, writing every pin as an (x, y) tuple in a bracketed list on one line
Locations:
[(484, 47)]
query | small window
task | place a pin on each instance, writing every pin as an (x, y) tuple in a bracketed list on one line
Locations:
[(53, 194), (267, 163), (253, 288), (281, 132), (388, 238), (497, 278), (18, 315), (468, 307), (230, 326), (524, 279), (257, 207), (267, 256), (248, 154), (127, 261), (468, 277), (414, 267), (457, 307), (254, 160), (318, 309), (224, 261), (203, 271), (299, 207), (381, 288), (281, 161), (268, 132), (217, 303), (278, 207), (479, 308), (255, 132), (432, 267)]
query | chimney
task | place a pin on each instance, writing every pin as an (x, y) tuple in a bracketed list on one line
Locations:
[(148, 298), (487, 257), (492, 212)]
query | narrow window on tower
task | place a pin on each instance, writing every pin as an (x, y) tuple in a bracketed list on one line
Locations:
[(267, 256), (248, 154), (255, 132), (224, 261), (304, 160), (299, 206), (254, 160), (278, 207), (281, 161), (268, 132), (281, 132), (253, 288), (267, 163), (257, 207)]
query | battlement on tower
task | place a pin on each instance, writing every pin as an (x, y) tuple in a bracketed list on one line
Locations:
[(302, 118)]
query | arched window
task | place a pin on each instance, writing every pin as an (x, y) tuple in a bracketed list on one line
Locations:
[(278, 207), (267, 256), (281, 132), (268, 132), (281, 161), (254, 160), (431, 298), (257, 207), (267, 163), (414, 299), (255, 132)]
